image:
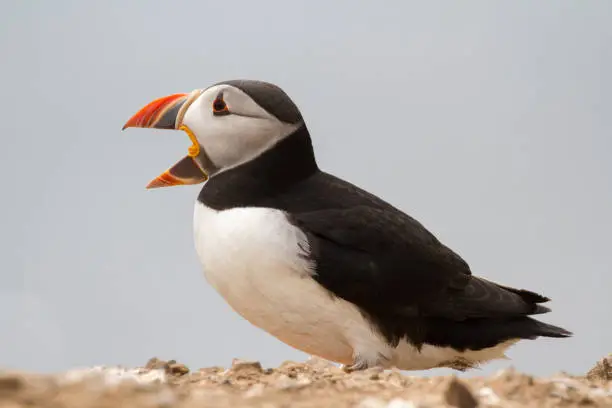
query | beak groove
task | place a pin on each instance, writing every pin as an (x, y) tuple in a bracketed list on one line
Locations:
[(162, 113)]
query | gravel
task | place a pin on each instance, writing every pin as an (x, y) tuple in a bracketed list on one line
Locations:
[(314, 383)]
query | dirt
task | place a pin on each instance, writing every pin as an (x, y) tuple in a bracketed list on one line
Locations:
[(314, 383)]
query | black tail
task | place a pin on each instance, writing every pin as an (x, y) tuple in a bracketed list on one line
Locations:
[(529, 297), (541, 329), (481, 333)]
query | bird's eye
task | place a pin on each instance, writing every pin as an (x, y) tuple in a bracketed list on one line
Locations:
[(220, 107)]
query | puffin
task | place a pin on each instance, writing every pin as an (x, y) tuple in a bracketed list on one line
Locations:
[(318, 262)]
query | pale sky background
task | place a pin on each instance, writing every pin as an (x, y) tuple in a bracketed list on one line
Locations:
[(490, 122)]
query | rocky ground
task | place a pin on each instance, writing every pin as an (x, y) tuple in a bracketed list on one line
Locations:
[(314, 383)]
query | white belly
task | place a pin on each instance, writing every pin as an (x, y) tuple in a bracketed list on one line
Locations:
[(257, 262)]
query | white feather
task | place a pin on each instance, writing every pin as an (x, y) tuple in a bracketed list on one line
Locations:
[(238, 138)]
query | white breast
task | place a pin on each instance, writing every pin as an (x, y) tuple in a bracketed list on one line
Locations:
[(257, 261)]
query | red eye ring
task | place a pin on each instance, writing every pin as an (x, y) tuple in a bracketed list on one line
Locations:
[(219, 107)]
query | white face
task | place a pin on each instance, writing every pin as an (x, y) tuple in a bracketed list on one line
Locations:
[(230, 139)]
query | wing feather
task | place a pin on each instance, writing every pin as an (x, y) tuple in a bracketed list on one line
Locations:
[(387, 262)]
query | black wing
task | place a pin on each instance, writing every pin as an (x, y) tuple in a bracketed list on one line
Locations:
[(387, 263)]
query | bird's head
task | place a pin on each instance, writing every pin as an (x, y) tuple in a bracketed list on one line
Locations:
[(228, 123)]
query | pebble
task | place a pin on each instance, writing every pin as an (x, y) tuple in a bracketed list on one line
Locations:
[(459, 395)]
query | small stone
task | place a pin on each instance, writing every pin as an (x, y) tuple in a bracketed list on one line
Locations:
[(10, 384), (459, 395), (393, 377), (170, 367), (177, 369), (372, 373), (244, 365), (602, 370), (155, 364)]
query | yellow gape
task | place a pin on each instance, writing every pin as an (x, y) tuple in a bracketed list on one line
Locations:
[(194, 149)]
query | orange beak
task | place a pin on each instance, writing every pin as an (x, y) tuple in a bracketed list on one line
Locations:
[(167, 113)]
